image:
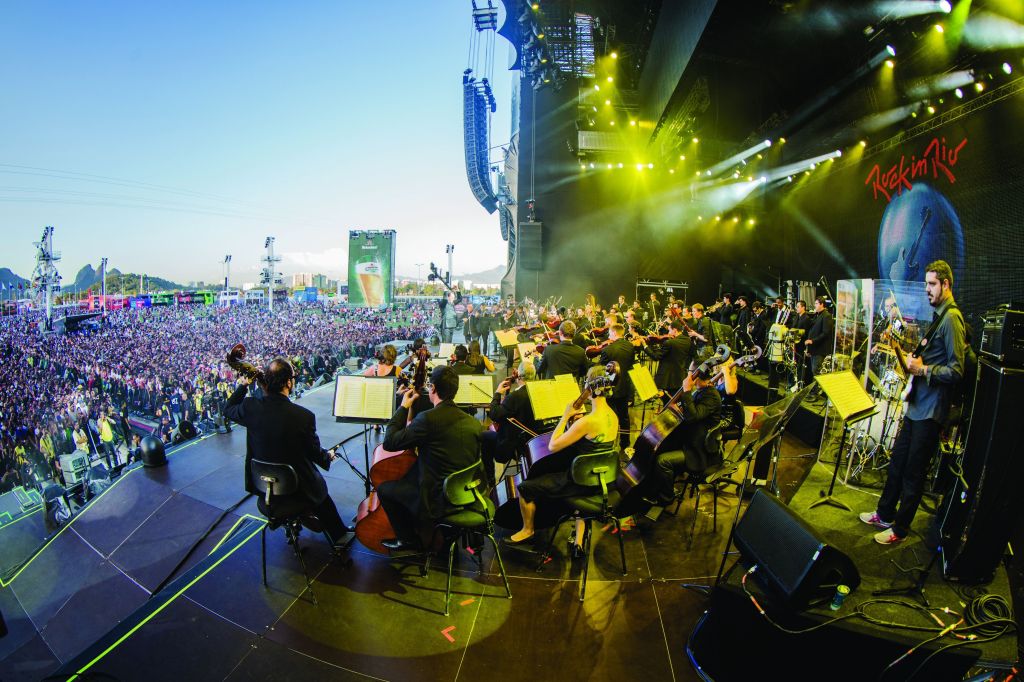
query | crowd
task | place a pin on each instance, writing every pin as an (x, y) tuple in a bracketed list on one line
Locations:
[(62, 393)]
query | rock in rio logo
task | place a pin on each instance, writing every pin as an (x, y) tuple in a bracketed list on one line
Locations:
[(938, 158)]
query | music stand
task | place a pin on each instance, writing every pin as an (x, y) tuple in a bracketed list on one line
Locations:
[(853, 404), (776, 416), (368, 401)]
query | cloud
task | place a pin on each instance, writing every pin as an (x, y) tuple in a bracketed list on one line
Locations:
[(330, 261)]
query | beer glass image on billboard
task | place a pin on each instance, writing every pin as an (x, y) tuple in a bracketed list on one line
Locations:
[(370, 277)]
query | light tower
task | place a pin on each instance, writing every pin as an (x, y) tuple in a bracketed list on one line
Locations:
[(227, 270), (45, 278), (270, 276), (103, 284), (450, 250)]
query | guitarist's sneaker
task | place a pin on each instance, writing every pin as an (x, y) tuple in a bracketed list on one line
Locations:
[(873, 519), (888, 537)]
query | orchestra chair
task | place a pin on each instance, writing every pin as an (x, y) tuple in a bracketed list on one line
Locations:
[(283, 506), (592, 470), (471, 513), (719, 472)]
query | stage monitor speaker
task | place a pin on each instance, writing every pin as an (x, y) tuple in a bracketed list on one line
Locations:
[(183, 431), (529, 239), (153, 454), (791, 559), (976, 521)]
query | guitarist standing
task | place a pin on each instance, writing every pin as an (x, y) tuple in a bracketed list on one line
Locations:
[(935, 368)]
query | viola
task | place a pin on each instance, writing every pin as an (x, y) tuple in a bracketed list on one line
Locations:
[(594, 351), (372, 523)]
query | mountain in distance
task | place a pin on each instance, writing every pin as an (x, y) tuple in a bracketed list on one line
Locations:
[(492, 276), (10, 279)]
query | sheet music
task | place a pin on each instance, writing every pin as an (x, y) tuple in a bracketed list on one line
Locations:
[(846, 393), (506, 337), (359, 397), (643, 382), (549, 397), (378, 399), (348, 397), (446, 351), (474, 389), (526, 349)]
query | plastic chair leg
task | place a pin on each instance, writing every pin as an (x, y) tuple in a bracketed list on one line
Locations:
[(501, 564)]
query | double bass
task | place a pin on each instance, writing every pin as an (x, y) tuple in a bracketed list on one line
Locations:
[(372, 522)]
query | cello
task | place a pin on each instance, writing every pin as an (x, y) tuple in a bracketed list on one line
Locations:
[(372, 522)]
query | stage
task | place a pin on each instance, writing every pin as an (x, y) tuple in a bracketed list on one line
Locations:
[(162, 574)]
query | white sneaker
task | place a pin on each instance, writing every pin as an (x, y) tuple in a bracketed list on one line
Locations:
[(888, 537), (873, 519)]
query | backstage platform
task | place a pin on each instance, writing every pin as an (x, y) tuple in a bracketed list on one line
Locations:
[(160, 576)]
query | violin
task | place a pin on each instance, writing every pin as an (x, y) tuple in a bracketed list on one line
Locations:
[(372, 522), (594, 351)]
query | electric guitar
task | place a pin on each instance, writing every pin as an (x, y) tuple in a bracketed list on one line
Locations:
[(906, 265)]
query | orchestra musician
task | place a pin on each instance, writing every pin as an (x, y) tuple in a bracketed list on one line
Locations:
[(703, 332), (674, 356), (819, 340), (283, 432), (592, 433), (743, 313), (802, 321), (385, 366), (653, 306), (446, 439), (685, 449), (621, 351), (510, 402), (564, 357)]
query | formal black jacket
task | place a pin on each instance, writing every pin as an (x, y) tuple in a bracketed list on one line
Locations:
[(447, 440), (563, 358), (278, 430), (701, 410), (822, 332), (674, 356), (622, 352), (516, 405)]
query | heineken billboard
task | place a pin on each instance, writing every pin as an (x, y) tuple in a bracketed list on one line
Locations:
[(371, 261)]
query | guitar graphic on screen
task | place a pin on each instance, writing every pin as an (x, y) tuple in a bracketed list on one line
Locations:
[(906, 267)]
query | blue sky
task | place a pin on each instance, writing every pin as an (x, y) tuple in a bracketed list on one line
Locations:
[(166, 135)]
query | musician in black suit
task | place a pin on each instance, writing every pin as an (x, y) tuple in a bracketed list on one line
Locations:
[(674, 356), (802, 321), (685, 449), (510, 401), (820, 338), (279, 431), (564, 357), (447, 440), (621, 351), (470, 323)]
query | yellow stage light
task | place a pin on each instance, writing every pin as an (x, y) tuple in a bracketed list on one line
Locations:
[(609, 79), (615, 55), (939, 29), (890, 63)]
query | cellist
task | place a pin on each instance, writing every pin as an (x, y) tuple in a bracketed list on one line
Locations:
[(446, 439)]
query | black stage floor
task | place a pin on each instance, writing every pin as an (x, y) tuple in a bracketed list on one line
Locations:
[(86, 602)]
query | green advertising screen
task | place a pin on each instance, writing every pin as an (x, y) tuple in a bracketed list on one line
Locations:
[(371, 259)]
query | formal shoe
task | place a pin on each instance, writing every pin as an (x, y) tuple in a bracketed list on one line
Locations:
[(396, 545), (873, 519), (888, 537)]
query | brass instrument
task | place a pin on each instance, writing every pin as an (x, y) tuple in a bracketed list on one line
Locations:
[(236, 360)]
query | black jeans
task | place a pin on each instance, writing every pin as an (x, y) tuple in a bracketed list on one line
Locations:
[(912, 452)]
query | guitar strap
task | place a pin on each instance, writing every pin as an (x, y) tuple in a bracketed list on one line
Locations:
[(934, 327)]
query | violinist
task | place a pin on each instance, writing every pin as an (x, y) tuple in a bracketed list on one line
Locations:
[(460, 365), (447, 440), (590, 434), (674, 354), (385, 366), (685, 449), (621, 351), (510, 401), (702, 332), (564, 357)]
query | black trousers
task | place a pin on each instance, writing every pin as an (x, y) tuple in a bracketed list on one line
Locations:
[(334, 527), (669, 465), (401, 502), (912, 452)]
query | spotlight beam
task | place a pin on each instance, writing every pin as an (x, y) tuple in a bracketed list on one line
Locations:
[(736, 158)]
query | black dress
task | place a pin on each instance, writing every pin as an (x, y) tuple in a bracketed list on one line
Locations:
[(558, 485)]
